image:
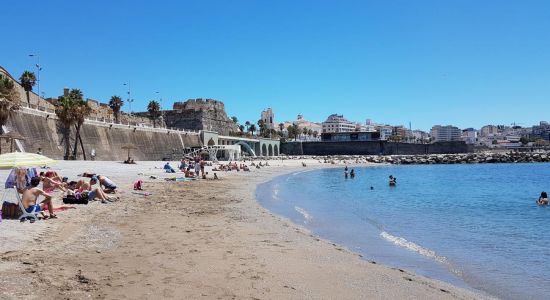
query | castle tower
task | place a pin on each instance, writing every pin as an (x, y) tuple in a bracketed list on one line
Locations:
[(268, 117)]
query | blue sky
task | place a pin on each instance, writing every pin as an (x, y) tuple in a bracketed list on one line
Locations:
[(466, 63)]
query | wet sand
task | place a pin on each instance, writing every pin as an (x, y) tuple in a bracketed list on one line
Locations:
[(206, 239)]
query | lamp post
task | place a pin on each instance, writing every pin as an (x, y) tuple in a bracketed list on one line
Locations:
[(38, 68), (130, 100)]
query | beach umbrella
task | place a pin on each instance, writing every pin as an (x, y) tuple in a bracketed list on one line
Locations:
[(129, 147), (24, 159)]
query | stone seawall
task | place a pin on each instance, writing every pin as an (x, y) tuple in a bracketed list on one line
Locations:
[(372, 148), (45, 133)]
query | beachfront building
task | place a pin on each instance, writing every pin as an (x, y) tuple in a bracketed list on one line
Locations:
[(445, 133), (385, 132), (350, 136), (337, 123), (469, 136), (268, 118), (542, 130)]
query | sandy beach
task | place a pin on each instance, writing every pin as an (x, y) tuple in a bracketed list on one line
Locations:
[(206, 239)]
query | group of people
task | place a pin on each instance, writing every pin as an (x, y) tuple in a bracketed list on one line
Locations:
[(52, 181), (232, 167), (190, 167), (351, 173)]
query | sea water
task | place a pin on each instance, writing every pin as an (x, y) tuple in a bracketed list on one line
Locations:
[(475, 226)]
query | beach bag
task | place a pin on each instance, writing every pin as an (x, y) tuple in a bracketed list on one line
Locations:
[(76, 199), (10, 210)]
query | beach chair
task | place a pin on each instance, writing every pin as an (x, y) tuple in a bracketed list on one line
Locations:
[(25, 214)]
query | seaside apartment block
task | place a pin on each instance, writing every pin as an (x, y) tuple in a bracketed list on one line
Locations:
[(447, 133)]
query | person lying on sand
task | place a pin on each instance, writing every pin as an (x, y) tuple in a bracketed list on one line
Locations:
[(94, 193), (107, 184), (30, 198)]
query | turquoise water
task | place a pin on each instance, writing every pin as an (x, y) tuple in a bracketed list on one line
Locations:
[(475, 226)]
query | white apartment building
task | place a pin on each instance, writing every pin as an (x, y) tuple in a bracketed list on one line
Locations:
[(267, 116), (385, 132), (337, 123), (469, 136), (445, 133)]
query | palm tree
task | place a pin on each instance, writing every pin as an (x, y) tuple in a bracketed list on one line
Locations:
[(241, 127), (28, 80), (154, 111), (9, 101), (247, 124), (235, 120), (252, 129), (81, 111), (115, 104), (66, 113)]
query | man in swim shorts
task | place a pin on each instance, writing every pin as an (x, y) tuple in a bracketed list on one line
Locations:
[(30, 198)]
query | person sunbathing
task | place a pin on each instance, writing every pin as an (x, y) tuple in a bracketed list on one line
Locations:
[(50, 182), (94, 193), (107, 184), (30, 199)]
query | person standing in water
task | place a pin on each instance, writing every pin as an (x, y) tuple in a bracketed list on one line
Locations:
[(352, 173), (393, 180)]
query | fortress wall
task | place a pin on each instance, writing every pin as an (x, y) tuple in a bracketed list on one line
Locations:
[(45, 133)]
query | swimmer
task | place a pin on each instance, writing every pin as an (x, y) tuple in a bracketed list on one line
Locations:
[(543, 199), (393, 180), (352, 173)]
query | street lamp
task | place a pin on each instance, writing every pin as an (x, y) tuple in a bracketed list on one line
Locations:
[(38, 68)]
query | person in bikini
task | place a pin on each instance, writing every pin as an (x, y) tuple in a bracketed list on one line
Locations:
[(30, 199)]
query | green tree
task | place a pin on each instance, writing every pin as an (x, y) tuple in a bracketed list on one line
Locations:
[(9, 101), (247, 124), (304, 131), (154, 111), (252, 129), (235, 120), (261, 126), (28, 80), (116, 104), (241, 128), (315, 134), (81, 110), (67, 115)]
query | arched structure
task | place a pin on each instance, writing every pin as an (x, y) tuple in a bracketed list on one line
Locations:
[(270, 150), (247, 148), (264, 150), (276, 150), (211, 142)]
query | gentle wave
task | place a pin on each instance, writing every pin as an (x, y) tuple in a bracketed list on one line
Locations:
[(399, 241), (304, 213)]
